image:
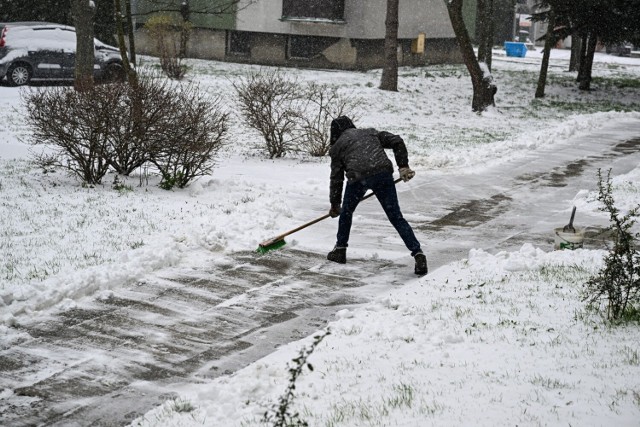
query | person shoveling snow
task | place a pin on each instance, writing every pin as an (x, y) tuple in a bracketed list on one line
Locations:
[(359, 155)]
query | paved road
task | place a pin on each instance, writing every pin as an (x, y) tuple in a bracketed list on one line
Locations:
[(109, 362)]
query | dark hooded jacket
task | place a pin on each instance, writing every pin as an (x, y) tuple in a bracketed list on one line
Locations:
[(359, 153)]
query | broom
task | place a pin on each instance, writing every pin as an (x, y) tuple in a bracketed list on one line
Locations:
[(278, 241)]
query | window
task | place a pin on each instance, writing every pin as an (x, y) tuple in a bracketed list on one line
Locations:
[(308, 47), (239, 43), (316, 9)]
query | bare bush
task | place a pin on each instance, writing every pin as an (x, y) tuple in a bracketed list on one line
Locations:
[(76, 123), (291, 116), (48, 162), (281, 414), (268, 104), (126, 127), (325, 103), (141, 111), (171, 36), (186, 147)]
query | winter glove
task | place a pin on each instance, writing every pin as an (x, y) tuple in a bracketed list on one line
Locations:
[(406, 173), (334, 211)]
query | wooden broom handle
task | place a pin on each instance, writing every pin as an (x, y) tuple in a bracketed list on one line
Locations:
[(325, 216)]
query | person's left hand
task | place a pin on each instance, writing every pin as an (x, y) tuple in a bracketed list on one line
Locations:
[(334, 211), (406, 173)]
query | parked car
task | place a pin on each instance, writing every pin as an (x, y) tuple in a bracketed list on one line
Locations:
[(620, 49), (45, 51)]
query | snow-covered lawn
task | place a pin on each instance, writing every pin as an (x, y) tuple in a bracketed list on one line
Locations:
[(495, 339)]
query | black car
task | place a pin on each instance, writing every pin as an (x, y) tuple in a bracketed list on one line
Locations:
[(44, 51)]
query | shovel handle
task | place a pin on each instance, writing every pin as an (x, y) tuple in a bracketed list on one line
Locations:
[(573, 214)]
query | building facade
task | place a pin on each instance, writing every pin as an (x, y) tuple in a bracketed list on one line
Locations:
[(344, 34)]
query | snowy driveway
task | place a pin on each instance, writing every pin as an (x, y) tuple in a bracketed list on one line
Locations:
[(110, 361)]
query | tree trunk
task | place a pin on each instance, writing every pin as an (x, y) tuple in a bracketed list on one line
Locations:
[(185, 12), (83, 12), (389, 80), (132, 77), (491, 33), (548, 44), (576, 43), (481, 29), (132, 41), (486, 27), (483, 88), (585, 82), (584, 41)]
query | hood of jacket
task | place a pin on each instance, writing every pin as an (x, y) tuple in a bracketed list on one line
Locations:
[(339, 125)]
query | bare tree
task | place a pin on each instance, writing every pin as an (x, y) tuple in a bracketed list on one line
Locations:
[(486, 29), (130, 29), (83, 12), (586, 62), (483, 88), (126, 64), (576, 43), (389, 80), (549, 42)]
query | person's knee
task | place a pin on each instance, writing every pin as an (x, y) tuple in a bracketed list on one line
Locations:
[(393, 210)]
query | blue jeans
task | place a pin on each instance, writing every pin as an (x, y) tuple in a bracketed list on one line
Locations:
[(384, 188)]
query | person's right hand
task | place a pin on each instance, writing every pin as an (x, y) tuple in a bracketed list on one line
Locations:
[(334, 211), (406, 173)]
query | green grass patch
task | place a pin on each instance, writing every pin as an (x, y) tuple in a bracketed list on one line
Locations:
[(622, 82)]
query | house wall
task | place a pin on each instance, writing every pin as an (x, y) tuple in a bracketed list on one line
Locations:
[(268, 49), (203, 44), (207, 44), (359, 40), (362, 20)]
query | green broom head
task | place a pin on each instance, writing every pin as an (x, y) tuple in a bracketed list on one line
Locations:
[(270, 245)]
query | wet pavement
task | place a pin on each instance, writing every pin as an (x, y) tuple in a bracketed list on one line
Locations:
[(109, 361), (523, 200)]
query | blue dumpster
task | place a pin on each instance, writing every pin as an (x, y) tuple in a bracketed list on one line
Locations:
[(515, 49)]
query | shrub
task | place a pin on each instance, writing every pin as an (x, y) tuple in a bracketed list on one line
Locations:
[(289, 115), (185, 149), (140, 111), (618, 282), (280, 414), (171, 37), (125, 127), (324, 104), (268, 104), (76, 123)]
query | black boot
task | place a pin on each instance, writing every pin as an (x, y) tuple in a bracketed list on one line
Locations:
[(338, 255), (421, 264)]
